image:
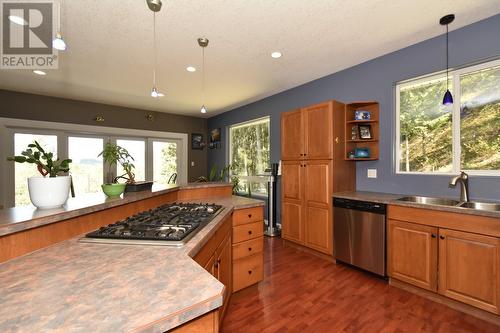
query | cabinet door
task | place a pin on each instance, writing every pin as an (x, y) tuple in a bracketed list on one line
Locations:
[(292, 222), (318, 121), (318, 183), (318, 229), (412, 254), (469, 268), (224, 270), (292, 137), (210, 266), (291, 180)]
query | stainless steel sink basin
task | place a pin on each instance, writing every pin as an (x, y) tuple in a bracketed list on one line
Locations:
[(495, 207), (430, 201)]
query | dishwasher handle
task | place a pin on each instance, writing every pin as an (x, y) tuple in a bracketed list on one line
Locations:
[(372, 207)]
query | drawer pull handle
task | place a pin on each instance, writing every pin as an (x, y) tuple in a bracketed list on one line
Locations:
[(249, 216), (249, 249), (250, 272), (442, 237), (249, 232)]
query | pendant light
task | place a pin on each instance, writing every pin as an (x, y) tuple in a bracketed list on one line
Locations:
[(154, 6), (58, 42), (203, 42), (445, 20)]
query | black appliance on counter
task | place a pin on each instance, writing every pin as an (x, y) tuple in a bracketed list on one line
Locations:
[(171, 225)]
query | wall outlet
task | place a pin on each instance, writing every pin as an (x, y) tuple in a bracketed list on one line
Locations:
[(192, 163), (372, 173)]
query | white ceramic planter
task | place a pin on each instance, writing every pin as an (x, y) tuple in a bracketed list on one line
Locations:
[(47, 192)]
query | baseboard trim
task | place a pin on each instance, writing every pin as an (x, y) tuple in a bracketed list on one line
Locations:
[(309, 250), (462, 307)]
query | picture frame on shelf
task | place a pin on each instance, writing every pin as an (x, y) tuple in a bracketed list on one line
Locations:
[(354, 132), (365, 132), (197, 141)]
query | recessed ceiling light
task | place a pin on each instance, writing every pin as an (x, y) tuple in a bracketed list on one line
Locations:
[(39, 72), (17, 20), (276, 55), (191, 69)]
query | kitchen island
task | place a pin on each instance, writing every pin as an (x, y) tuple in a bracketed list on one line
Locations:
[(79, 287)]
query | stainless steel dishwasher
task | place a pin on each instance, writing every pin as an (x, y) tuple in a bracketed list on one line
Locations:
[(359, 234)]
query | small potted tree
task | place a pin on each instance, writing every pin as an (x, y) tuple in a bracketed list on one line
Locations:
[(46, 192), (114, 155)]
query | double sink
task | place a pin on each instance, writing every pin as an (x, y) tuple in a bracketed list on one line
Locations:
[(494, 207)]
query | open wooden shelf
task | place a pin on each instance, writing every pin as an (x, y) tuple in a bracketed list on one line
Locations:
[(353, 125)]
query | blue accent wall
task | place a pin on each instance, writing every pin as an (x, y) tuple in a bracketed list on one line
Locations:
[(375, 80)]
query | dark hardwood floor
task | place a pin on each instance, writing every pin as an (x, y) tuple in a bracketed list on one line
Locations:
[(303, 293)]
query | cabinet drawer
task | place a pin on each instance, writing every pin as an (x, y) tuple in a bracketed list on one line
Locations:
[(249, 231), (243, 216), (248, 248), (248, 271)]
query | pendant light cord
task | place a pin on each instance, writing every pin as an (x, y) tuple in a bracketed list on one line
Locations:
[(447, 64), (154, 49), (203, 75)]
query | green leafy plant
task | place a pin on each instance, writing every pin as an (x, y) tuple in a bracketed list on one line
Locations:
[(113, 155), (221, 176), (45, 164)]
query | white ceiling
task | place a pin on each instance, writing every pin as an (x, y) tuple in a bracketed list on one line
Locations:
[(109, 59)]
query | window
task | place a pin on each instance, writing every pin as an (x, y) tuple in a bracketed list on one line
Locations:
[(158, 156), (249, 154), (432, 138), (22, 171), (165, 162), (86, 168)]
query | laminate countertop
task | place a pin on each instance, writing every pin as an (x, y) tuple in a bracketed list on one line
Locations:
[(27, 217), (83, 287), (392, 199)]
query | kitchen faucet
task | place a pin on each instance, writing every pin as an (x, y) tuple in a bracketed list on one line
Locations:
[(463, 178)]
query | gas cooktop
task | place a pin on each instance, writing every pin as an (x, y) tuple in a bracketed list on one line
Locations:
[(171, 224)]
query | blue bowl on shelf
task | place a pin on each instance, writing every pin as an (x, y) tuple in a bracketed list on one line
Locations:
[(362, 153)]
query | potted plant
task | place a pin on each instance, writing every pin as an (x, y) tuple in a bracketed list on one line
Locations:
[(114, 155), (46, 192)]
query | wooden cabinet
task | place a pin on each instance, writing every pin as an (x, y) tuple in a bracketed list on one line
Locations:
[(216, 258), (292, 129), (309, 177), (469, 268), (318, 133), (458, 264), (412, 254), (247, 247)]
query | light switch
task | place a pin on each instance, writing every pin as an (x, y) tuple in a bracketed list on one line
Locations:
[(192, 163), (372, 173)]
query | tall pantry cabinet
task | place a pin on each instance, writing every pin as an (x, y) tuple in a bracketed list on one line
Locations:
[(312, 168)]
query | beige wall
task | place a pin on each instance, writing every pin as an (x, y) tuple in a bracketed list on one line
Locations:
[(45, 108)]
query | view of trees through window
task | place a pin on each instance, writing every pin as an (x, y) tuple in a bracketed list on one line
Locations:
[(86, 168), (426, 127), (164, 161), (250, 154)]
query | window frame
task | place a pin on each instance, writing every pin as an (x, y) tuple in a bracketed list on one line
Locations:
[(9, 126), (255, 178), (456, 143)]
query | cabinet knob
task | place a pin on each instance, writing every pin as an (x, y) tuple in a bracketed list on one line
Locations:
[(337, 139), (441, 237), (249, 249), (249, 232), (249, 216), (250, 272), (216, 265), (433, 236)]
